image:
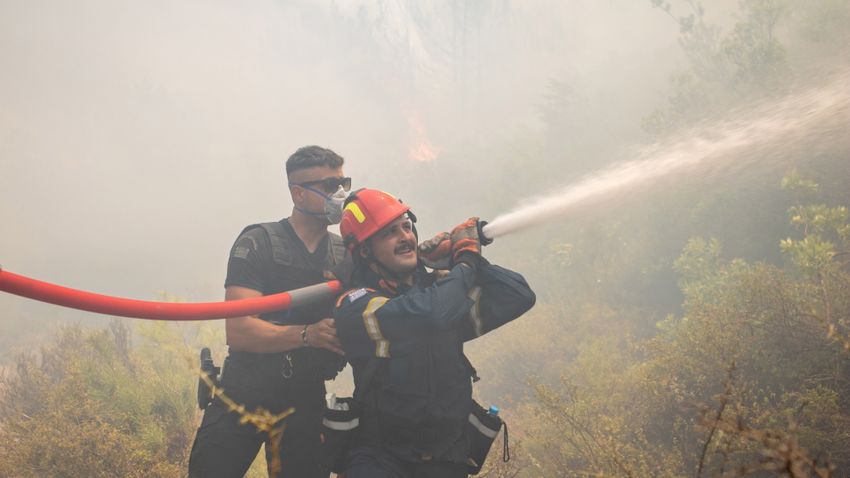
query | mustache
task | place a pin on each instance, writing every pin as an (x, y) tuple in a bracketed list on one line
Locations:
[(404, 245)]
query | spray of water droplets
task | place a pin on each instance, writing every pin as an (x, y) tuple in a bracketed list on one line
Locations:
[(793, 126)]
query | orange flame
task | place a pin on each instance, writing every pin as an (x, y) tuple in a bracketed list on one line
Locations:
[(420, 148)]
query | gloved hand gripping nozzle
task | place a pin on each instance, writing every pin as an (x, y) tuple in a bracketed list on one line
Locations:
[(439, 251)]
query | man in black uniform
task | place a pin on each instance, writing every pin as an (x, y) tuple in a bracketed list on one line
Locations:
[(281, 359), (403, 330)]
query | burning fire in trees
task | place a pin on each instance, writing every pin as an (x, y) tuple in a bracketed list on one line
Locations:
[(421, 148)]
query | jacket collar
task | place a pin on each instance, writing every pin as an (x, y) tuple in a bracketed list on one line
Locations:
[(372, 279)]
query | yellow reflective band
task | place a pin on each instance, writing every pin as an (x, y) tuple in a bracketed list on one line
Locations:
[(382, 345), (355, 209), (475, 311)]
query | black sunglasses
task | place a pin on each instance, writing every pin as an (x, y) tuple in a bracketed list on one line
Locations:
[(329, 185)]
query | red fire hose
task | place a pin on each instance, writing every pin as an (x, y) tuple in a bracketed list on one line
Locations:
[(141, 309)]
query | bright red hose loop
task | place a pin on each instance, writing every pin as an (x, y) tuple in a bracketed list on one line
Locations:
[(141, 309)]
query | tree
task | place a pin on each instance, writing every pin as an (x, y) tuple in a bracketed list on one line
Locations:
[(753, 376), (721, 70)]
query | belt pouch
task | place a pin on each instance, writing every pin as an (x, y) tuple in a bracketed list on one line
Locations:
[(482, 430)]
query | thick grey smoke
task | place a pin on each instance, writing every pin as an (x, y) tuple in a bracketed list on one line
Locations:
[(137, 138)]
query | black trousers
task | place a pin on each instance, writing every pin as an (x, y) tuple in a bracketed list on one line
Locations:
[(373, 462), (224, 448)]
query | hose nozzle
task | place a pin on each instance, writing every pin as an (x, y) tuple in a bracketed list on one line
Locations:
[(482, 234)]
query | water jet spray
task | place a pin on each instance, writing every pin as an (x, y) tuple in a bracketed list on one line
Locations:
[(792, 124), (787, 127)]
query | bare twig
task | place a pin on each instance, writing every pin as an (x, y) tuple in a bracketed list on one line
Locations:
[(724, 400), (263, 420)]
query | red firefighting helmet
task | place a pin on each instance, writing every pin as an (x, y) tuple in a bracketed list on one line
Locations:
[(366, 212)]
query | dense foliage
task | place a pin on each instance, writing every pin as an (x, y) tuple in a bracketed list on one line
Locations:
[(90, 403), (759, 351), (695, 333)]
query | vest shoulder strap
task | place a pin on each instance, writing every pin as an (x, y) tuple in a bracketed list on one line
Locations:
[(337, 249), (280, 242), (282, 247)]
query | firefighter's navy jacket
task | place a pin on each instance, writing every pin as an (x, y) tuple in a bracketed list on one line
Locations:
[(406, 350)]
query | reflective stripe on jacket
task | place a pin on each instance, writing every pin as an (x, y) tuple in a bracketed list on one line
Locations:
[(418, 401)]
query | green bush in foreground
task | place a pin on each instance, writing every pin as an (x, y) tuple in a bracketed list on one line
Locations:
[(90, 404)]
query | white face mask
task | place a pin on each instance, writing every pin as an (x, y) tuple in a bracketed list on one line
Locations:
[(333, 206)]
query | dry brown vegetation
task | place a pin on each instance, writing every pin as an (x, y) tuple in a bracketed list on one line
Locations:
[(696, 333)]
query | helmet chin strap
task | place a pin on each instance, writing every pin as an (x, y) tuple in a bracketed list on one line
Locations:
[(389, 279)]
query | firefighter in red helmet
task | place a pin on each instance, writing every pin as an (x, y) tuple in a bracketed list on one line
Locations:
[(403, 332)]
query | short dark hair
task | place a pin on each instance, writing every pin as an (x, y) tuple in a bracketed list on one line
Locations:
[(312, 156)]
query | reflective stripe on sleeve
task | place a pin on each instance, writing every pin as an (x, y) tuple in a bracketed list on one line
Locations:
[(482, 428), (475, 311), (382, 345), (341, 426)]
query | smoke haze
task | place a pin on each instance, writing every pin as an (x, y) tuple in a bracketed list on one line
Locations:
[(774, 132), (685, 164), (138, 138)]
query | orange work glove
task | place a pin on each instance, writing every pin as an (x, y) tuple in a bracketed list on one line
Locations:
[(465, 239), (436, 252)]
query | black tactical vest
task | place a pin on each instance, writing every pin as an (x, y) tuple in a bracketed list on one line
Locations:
[(292, 269)]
